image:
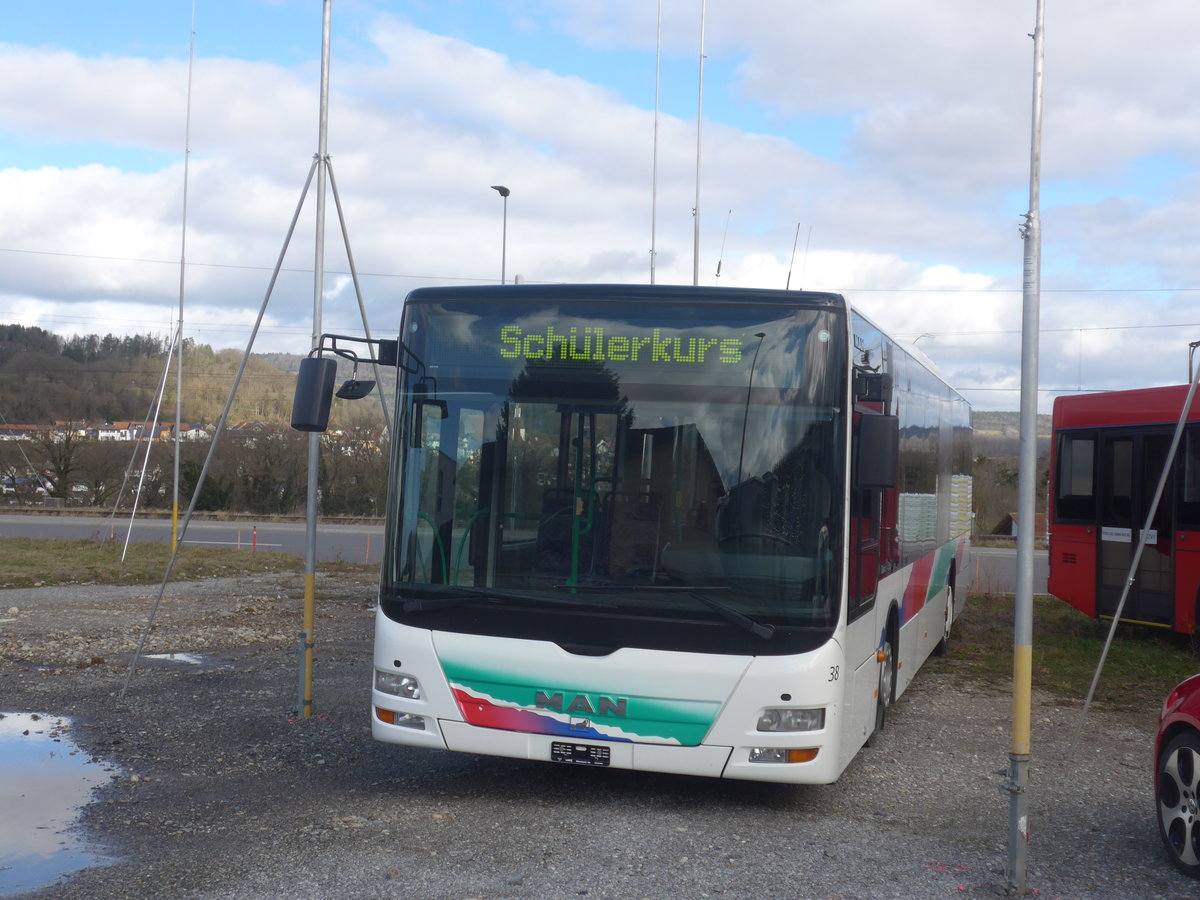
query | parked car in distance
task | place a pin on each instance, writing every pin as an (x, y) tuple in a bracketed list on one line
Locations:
[(1177, 776)]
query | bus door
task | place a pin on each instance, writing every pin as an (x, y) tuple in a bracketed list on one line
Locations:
[(1130, 468), (1187, 534)]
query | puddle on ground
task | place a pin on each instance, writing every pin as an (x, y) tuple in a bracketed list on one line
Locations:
[(199, 660), (44, 781)]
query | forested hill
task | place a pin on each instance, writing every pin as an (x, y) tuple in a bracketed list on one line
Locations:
[(17, 339), (47, 378)]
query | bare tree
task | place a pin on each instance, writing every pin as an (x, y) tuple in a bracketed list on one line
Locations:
[(101, 466), (58, 450)]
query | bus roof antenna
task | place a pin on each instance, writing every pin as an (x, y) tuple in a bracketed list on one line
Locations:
[(728, 216)]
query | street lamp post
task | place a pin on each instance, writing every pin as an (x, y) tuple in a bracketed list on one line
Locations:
[(504, 192)]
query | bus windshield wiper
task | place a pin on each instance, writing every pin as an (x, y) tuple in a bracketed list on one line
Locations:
[(758, 629), (737, 617), (421, 604), (461, 596)]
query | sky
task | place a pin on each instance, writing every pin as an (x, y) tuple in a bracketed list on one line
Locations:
[(875, 149)]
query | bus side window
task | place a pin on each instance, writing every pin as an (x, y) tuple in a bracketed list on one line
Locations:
[(1075, 495), (865, 550), (875, 452), (1188, 509)]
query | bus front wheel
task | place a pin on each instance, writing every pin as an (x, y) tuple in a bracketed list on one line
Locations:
[(887, 684)]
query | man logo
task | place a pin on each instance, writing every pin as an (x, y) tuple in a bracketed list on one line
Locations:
[(581, 703)]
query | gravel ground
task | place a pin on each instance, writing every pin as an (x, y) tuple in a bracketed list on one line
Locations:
[(223, 793)]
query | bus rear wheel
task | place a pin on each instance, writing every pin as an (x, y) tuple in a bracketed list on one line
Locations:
[(941, 648)]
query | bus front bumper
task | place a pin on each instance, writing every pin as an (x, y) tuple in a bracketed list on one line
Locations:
[(703, 760)]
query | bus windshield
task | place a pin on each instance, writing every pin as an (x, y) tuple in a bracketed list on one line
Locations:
[(656, 461)]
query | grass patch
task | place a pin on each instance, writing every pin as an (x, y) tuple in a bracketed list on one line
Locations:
[(1143, 663), (29, 562)]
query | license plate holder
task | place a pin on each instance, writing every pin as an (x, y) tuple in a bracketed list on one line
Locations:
[(580, 754)]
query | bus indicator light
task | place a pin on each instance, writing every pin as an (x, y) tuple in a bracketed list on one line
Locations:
[(404, 720), (783, 754)]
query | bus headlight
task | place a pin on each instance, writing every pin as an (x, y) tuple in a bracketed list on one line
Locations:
[(791, 720), (398, 684)]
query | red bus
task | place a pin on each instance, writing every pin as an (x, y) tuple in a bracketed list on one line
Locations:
[(1108, 453)]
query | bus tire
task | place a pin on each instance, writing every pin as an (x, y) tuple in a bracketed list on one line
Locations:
[(941, 647), (887, 685)]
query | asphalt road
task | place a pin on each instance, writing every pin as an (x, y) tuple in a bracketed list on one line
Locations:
[(349, 543), (992, 569)]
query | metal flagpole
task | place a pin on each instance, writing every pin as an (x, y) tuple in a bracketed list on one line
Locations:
[(654, 162), (151, 434), (322, 168), (314, 445), (216, 438), (1018, 780), (362, 309), (147, 430), (699, 132), (187, 154)]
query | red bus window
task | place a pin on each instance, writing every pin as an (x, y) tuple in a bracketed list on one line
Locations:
[(1188, 510), (1076, 484)]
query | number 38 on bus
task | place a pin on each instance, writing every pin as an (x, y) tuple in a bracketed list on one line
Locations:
[(690, 530)]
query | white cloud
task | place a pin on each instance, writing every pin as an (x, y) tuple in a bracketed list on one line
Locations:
[(917, 221)]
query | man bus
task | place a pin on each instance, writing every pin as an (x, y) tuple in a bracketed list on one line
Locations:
[(673, 529)]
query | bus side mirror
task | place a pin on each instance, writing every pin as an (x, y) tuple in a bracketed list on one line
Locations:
[(877, 457), (872, 387), (388, 354), (421, 401), (353, 389), (314, 393)]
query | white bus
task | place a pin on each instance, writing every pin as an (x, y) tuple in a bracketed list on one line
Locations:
[(693, 530)]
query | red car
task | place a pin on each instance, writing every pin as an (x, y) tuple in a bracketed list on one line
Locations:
[(1177, 776)]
